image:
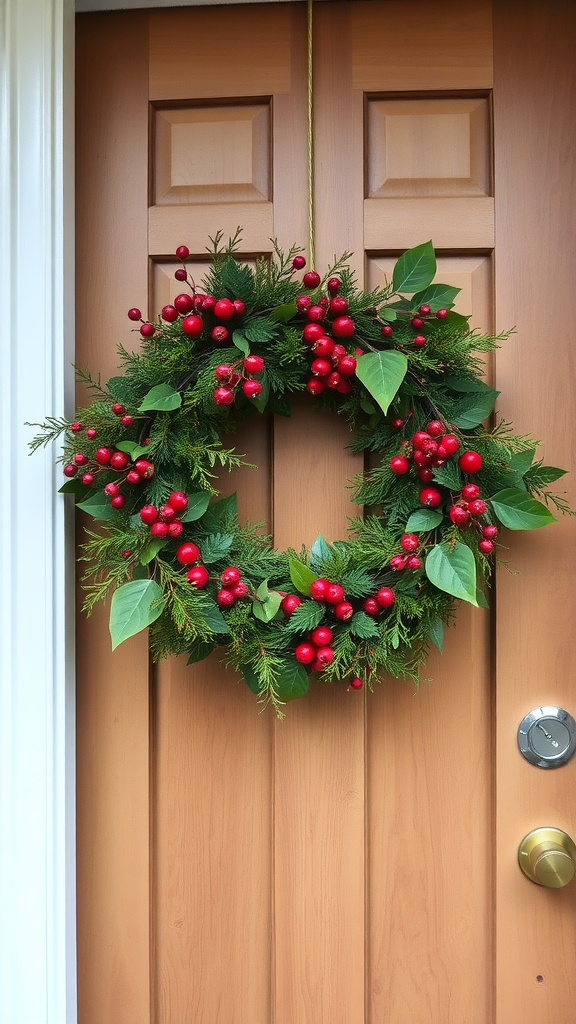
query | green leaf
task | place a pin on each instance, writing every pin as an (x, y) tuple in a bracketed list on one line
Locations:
[(363, 626), (132, 448), (212, 616), (134, 606), (215, 546), (200, 650), (140, 572), (197, 505), (367, 407), (259, 330), (151, 549), (437, 633), (437, 296), (481, 599), (293, 681), (424, 519), (415, 269), (453, 570), (301, 575), (98, 506), (382, 373), (471, 410), (521, 462), (73, 487), (161, 398), (467, 385), (305, 617), (388, 313), (319, 551), (518, 511), (261, 400), (282, 314), (220, 512), (267, 607), (251, 678), (540, 475), (448, 476), (241, 342)]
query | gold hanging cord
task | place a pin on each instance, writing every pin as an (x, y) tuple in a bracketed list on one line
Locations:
[(310, 144)]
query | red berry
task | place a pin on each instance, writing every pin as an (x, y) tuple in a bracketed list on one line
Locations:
[(239, 307), (175, 529), (321, 367), (485, 546), (241, 590), (220, 334), (490, 531), (343, 327), (371, 606), (315, 313), (315, 386), (126, 553), (144, 468), (167, 513), (147, 330), (148, 514), (470, 491), (225, 598), (470, 462), (321, 636), (420, 458), (119, 461), (303, 302), (298, 262), (88, 479), (253, 364), (334, 380), (178, 501), (76, 427), (435, 428), (387, 330), (385, 597), (419, 341), (198, 576), (111, 490), (252, 388), (134, 314), (305, 653), (230, 577), (180, 274), (338, 305), (193, 325), (420, 438), (477, 507), (159, 530), (425, 474), (397, 423), (70, 470), (188, 553), (334, 593), (459, 515), (290, 603), (184, 303), (91, 433), (208, 303), (397, 563), (80, 459), (442, 314), (333, 285), (224, 309), (223, 396), (318, 589), (182, 252), (169, 314), (430, 497), (410, 542), (344, 611), (449, 443), (347, 366), (223, 373), (417, 322), (311, 279), (413, 562), (103, 456), (324, 347), (425, 310), (127, 420), (356, 683), (312, 332), (325, 656), (118, 500), (399, 465)]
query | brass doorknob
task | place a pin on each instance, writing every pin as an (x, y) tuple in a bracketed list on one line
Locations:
[(547, 856)]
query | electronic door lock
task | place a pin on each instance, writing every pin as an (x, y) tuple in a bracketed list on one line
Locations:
[(547, 737)]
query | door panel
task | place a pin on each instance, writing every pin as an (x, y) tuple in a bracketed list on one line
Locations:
[(337, 866)]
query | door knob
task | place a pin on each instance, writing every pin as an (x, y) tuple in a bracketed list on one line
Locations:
[(547, 856)]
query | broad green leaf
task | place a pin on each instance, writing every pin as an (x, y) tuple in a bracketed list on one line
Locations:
[(518, 511), (453, 570), (215, 546), (151, 549), (320, 550), (74, 486), (282, 314), (448, 476), (543, 475), (437, 633), (467, 385), (259, 330), (161, 398), (521, 462), (415, 269), (241, 342), (267, 607), (200, 650), (455, 320), (212, 616), (98, 506), (471, 410), (197, 505), (251, 679), (389, 314), (301, 575), (140, 572), (481, 599), (293, 680), (382, 373), (437, 296), (132, 448), (220, 512), (134, 606), (424, 519), (367, 407)]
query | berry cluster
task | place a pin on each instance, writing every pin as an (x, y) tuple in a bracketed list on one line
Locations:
[(316, 650), (105, 458), (238, 375), (332, 365), (417, 322), (165, 521), (233, 587)]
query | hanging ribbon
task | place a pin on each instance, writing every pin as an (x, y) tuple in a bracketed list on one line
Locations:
[(310, 142)]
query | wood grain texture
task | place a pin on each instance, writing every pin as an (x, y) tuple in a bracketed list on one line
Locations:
[(112, 689), (536, 254), (398, 224)]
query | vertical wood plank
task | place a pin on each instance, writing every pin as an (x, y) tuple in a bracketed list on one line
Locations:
[(112, 701), (534, 102)]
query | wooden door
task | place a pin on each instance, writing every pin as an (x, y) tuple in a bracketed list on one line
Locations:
[(357, 861)]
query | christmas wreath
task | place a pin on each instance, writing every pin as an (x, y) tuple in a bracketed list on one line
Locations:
[(403, 368)]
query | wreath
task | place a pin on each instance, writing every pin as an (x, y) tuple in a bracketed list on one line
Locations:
[(407, 373)]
